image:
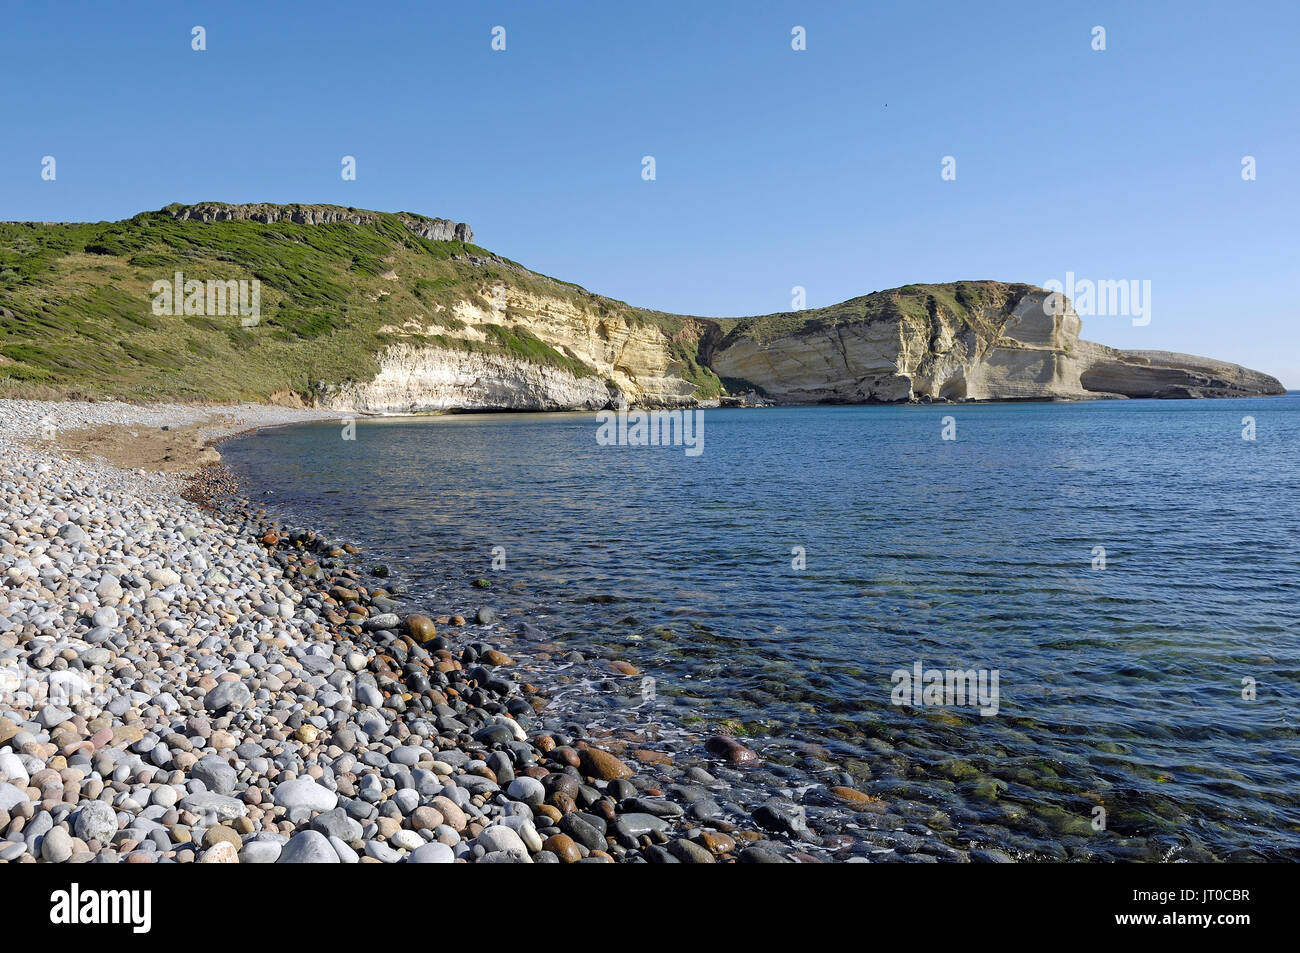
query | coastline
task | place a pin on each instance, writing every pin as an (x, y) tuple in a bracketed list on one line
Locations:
[(293, 622), (702, 687), (289, 708)]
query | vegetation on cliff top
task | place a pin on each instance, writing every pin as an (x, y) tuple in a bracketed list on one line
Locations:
[(76, 315)]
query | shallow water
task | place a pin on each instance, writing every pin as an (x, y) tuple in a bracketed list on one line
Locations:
[(1119, 688)]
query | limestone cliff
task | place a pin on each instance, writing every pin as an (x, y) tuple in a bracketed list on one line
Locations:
[(505, 347), (419, 379), (1166, 374), (965, 341)]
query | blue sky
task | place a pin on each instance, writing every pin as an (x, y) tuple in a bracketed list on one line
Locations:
[(775, 168)]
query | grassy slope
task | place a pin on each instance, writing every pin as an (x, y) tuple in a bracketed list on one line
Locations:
[(76, 315), (76, 318)]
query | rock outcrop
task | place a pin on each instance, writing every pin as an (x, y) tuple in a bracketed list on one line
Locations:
[(445, 363), (969, 341), (416, 379), (1166, 374), (434, 229)]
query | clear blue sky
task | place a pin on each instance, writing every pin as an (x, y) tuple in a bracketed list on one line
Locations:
[(775, 168)]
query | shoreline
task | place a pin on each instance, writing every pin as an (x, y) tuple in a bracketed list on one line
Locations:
[(161, 709), (709, 790), (795, 791)]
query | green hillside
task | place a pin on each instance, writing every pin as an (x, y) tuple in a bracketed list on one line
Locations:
[(76, 314), (77, 317)]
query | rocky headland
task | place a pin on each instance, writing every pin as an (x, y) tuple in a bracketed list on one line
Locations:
[(387, 313), (963, 341)]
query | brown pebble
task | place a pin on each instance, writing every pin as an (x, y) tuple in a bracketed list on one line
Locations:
[(563, 846), (721, 746), (717, 843), (421, 628), (425, 818), (646, 756), (218, 834), (549, 811), (603, 766)]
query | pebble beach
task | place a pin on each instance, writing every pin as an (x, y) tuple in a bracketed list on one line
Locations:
[(186, 680)]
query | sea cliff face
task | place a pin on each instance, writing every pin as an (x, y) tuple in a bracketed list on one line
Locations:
[(1015, 343), (1166, 374), (445, 364), (1001, 342), (1004, 347), (415, 379)]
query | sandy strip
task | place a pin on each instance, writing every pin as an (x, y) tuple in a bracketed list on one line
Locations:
[(159, 438)]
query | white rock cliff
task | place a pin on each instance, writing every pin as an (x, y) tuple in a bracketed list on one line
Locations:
[(416, 379), (1005, 342), (1013, 346)]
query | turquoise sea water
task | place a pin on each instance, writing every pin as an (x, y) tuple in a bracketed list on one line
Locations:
[(1120, 688)]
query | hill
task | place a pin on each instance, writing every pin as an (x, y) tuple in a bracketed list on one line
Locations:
[(398, 311)]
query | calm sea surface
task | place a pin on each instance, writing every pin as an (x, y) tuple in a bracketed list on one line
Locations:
[(1119, 687)]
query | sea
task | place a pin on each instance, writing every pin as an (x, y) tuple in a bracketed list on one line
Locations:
[(1069, 628)]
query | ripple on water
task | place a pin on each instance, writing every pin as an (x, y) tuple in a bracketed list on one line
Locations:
[(1121, 688)]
